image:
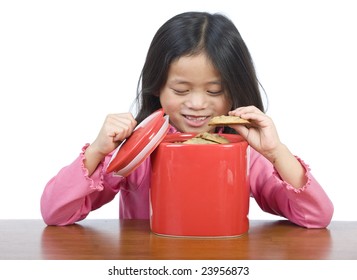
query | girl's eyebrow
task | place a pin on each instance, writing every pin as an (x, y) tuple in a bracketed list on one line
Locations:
[(181, 81)]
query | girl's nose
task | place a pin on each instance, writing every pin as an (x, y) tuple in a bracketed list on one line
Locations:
[(196, 100)]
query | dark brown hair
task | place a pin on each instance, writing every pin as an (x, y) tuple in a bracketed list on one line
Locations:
[(191, 33)]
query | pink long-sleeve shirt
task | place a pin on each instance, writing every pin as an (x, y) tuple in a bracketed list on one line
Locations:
[(72, 194)]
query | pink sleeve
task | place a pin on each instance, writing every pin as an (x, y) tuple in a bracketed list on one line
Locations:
[(308, 206), (71, 194)]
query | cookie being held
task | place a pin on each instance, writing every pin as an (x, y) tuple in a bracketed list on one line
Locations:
[(227, 120)]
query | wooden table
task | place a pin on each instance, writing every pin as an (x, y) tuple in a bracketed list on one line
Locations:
[(132, 239)]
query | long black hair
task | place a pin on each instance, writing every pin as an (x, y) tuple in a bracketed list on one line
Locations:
[(191, 33)]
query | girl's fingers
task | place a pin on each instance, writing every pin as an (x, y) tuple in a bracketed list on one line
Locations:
[(120, 126), (250, 113), (245, 110)]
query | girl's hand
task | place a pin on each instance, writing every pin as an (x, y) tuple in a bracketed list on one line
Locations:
[(115, 129), (262, 135)]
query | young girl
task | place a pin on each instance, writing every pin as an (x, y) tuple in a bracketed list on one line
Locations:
[(197, 67)]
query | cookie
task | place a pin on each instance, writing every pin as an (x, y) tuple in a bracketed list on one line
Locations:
[(213, 137), (228, 120), (197, 140), (207, 138)]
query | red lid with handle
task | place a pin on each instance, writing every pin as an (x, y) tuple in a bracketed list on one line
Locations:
[(140, 144)]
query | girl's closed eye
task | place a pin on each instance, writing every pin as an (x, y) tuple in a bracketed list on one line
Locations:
[(215, 89), (180, 91), (215, 92)]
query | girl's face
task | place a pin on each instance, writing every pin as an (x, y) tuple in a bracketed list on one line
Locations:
[(193, 94)]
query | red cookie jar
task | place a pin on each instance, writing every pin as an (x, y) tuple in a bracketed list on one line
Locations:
[(197, 190), (200, 190)]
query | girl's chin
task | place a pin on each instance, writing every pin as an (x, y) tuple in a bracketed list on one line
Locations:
[(184, 128), (196, 129)]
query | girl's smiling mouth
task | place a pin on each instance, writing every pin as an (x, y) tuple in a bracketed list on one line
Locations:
[(196, 121)]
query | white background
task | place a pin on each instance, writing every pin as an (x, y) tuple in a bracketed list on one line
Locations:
[(64, 65)]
